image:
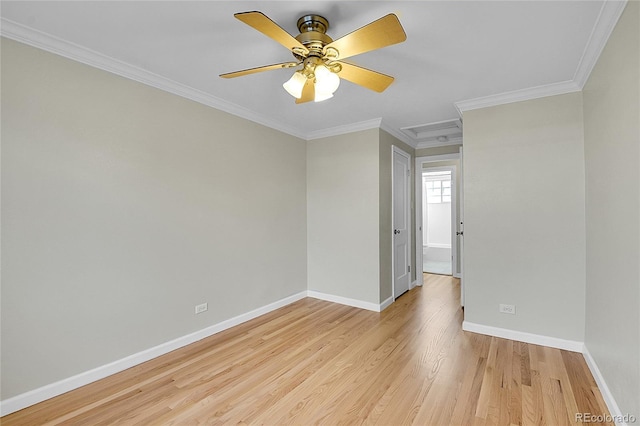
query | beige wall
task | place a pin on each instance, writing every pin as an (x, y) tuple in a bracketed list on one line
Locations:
[(349, 215), (524, 216), (123, 207), (343, 215), (612, 155)]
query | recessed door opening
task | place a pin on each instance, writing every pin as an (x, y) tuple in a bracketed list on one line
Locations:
[(438, 187), (436, 222)]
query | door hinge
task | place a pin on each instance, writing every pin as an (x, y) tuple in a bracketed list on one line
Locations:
[(408, 172), (408, 268)]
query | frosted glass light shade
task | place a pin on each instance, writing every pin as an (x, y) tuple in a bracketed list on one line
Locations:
[(322, 96), (295, 84), (327, 82)]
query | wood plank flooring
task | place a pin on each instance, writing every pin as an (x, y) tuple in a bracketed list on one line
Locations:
[(315, 362)]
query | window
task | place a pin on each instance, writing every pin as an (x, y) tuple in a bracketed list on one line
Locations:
[(437, 187)]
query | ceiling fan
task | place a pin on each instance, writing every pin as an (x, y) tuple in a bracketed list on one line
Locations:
[(321, 58)]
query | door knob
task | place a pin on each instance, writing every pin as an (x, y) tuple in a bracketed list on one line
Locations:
[(460, 233), (396, 231)]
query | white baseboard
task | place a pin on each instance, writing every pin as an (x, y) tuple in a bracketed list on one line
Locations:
[(521, 336), (436, 245), (51, 390), (26, 399), (612, 405), (346, 301), (385, 304), (54, 389), (569, 345)]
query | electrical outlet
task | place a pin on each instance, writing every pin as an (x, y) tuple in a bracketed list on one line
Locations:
[(508, 309), (201, 308)]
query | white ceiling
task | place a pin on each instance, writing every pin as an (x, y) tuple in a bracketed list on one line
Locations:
[(455, 51)]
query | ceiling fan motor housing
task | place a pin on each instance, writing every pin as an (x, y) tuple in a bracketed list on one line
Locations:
[(313, 34), (313, 23)]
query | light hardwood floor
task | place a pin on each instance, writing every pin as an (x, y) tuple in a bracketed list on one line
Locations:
[(315, 362)]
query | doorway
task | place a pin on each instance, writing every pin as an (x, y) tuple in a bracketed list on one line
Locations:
[(454, 163), (437, 219)]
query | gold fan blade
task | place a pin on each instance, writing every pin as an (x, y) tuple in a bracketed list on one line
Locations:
[(260, 69), (381, 33), (308, 92), (266, 26), (364, 77)]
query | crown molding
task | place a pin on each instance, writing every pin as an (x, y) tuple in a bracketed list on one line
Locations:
[(58, 46), (605, 23), (452, 141), (427, 135), (518, 96), (398, 135), (344, 129)]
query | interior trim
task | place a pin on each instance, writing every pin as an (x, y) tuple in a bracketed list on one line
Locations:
[(41, 40), (612, 405), (521, 336), (51, 390), (43, 393), (605, 23), (398, 134), (58, 46), (344, 129), (553, 89), (369, 306)]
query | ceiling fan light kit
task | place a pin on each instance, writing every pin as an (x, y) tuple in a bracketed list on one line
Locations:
[(323, 76), (295, 84), (321, 58)]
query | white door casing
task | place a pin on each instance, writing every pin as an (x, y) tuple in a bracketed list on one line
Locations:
[(400, 187), (460, 231)]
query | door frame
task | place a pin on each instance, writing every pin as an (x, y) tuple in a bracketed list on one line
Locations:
[(453, 214), (400, 151), (418, 211)]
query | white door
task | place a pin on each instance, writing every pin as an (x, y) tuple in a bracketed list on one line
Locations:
[(401, 253)]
